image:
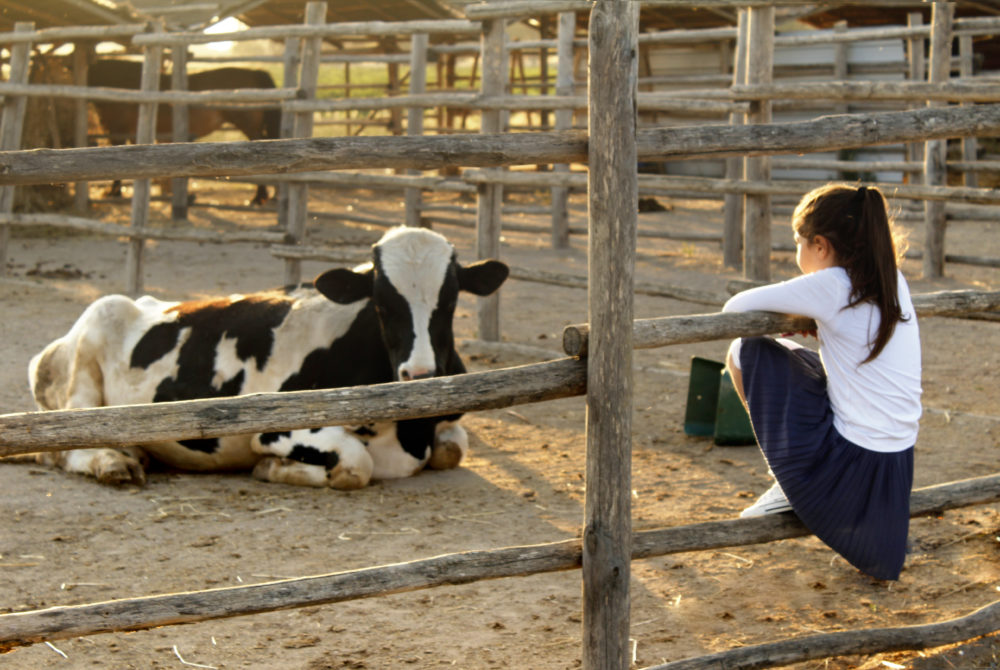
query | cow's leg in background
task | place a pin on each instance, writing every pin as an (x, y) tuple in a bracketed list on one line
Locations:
[(329, 456)]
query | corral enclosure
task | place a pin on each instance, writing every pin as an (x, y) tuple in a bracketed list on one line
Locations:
[(523, 485)]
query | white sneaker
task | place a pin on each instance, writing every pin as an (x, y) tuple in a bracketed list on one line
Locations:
[(772, 502)]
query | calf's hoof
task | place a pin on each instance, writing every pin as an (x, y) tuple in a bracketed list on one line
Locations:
[(346, 479), (445, 455), (118, 468)]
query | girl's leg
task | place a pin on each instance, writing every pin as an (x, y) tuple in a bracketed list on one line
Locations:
[(773, 500), (735, 369)]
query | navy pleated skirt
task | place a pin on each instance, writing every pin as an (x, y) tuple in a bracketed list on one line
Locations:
[(854, 499)]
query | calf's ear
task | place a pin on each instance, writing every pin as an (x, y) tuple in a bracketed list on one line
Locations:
[(344, 286), (482, 278)]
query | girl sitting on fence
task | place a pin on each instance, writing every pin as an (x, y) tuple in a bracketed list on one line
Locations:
[(838, 427)]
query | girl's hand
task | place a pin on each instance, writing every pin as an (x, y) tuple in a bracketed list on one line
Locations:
[(803, 333)]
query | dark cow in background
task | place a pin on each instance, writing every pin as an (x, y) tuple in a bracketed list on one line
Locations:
[(120, 118), (390, 320)]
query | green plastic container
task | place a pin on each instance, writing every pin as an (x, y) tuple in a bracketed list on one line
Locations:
[(713, 407), (732, 423), (703, 397)]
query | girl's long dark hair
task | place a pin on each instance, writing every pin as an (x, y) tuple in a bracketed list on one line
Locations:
[(857, 225)]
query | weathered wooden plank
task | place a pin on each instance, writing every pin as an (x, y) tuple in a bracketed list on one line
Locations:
[(564, 121), (757, 207), (180, 128), (935, 151), (145, 133), (415, 120), (213, 159), (489, 201), (262, 412), (732, 225), (117, 230), (325, 30), (983, 621), (613, 195), (297, 203), (236, 96), (12, 127), (663, 331), (54, 623)]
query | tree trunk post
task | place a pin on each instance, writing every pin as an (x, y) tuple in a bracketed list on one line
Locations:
[(181, 130), (490, 201), (916, 68), (145, 133), (732, 233), (12, 127), (757, 222), (298, 193), (81, 58), (935, 151), (970, 145), (564, 121), (290, 63), (613, 213), (415, 118)]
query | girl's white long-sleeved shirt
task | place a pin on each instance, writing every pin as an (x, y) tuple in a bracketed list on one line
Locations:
[(876, 405)]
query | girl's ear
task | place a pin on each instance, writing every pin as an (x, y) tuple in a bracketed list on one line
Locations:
[(823, 246)]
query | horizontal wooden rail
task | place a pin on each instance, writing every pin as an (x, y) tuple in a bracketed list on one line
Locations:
[(212, 159), (326, 30), (663, 331), (263, 412), (255, 96), (469, 100), (649, 182), (127, 614), (190, 234), (72, 33), (983, 621), (514, 9)]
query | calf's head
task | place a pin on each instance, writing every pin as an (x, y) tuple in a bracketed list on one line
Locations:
[(413, 282)]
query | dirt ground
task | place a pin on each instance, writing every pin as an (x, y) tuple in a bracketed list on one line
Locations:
[(66, 540)]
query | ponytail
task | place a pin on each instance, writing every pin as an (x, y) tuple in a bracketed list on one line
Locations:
[(856, 223)]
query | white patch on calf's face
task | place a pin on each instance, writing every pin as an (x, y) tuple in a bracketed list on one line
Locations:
[(415, 261)]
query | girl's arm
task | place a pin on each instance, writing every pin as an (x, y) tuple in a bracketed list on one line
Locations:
[(817, 295)]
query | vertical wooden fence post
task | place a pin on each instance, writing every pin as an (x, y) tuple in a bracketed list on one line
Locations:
[(916, 69), (298, 192), (81, 58), (389, 46), (613, 214), (181, 131), (290, 63), (564, 121), (732, 233), (415, 119), (935, 170), (840, 72), (757, 222), (11, 128), (490, 200), (969, 144), (145, 133)]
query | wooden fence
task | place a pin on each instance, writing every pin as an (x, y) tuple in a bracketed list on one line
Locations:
[(107, 426), (733, 98), (607, 546)]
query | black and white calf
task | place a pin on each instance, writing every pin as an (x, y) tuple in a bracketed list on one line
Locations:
[(389, 320)]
